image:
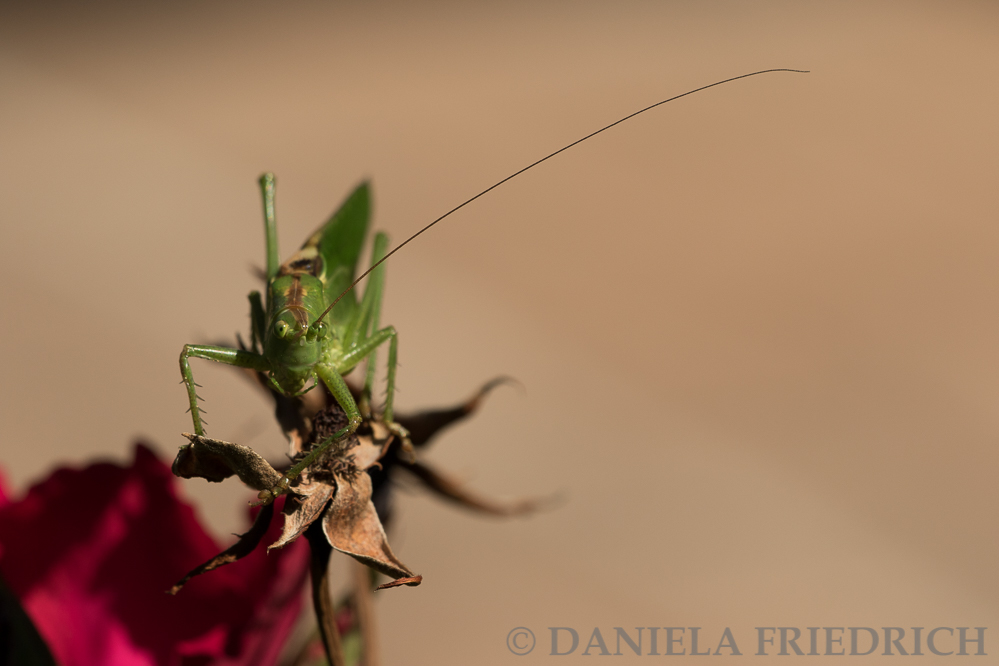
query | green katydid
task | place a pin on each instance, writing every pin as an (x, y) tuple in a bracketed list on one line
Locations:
[(295, 344), (291, 339)]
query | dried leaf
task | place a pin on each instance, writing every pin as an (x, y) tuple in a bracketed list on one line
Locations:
[(352, 527), (215, 460)]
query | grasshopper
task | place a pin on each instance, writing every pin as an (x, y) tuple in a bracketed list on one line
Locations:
[(294, 343)]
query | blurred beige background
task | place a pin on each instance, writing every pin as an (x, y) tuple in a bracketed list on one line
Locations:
[(758, 327)]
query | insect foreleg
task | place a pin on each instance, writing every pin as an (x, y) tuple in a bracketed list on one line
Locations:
[(341, 393), (236, 357)]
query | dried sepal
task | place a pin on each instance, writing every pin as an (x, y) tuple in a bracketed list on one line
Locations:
[(411, 581), (243, 547), (302, 509), (455, 491), (215, 460), (352, 527), (424, 426), (371, 447)]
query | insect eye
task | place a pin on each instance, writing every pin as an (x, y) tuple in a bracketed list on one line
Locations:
[(281, 329), (323, 330)]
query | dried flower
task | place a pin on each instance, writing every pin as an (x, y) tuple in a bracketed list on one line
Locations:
[(334, 489)]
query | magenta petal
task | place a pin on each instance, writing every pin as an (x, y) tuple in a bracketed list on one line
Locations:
[(92, 552), (4, 500)]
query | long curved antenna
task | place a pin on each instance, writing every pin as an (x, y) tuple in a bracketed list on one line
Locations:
[(534, 164)]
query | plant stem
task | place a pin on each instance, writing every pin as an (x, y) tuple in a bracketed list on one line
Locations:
[(322, 600), (365, 608)]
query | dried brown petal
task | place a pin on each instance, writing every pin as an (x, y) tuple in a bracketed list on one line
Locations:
[(455, 491), (216, 460), (352, 526), (302, 509), (247, 542)]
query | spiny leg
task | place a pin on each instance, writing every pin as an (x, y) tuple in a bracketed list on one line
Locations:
[(396, 428), (236, 357), (341, 393)]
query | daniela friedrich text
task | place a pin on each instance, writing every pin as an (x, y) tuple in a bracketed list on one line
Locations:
[(761, 641)]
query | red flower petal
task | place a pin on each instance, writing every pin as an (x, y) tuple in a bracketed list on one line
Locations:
[(92, 552)]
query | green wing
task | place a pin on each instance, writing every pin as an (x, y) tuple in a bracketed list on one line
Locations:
[(339, 243)]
